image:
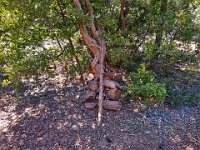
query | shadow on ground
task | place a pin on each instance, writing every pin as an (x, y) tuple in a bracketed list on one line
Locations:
[(51, 116)]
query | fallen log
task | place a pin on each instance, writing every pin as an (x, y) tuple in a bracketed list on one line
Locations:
[(93, 85), (109, 75), (114, 94), (90, 95), (112, 105), (111, 84), (90, 105)]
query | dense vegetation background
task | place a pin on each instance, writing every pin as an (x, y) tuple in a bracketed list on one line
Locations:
[(147, 40)]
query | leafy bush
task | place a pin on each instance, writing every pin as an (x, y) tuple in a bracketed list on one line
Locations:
[(144, 87), (158, 33)]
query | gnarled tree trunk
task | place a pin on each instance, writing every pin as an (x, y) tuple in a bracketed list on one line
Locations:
[(96, 44)]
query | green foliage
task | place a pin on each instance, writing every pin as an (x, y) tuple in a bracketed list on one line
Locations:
[(117, 57), (144, 87), (190, 98), (158, 33), (26, 27), (177, 97), (170, 54)]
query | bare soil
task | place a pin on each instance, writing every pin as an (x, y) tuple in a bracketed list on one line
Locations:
[(51, 116)]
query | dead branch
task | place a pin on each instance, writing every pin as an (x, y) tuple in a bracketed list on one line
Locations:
[(101, 87)]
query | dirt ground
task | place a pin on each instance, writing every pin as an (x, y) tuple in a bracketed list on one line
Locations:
[(51, 116)]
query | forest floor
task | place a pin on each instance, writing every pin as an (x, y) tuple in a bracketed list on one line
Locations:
[(50, 116)]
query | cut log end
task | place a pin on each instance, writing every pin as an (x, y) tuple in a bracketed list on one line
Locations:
[(111, 84), (114, 94), (90, 95), (90, 105), (93, 85)]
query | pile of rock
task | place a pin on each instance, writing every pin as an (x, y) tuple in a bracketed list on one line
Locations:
[(112, 92)]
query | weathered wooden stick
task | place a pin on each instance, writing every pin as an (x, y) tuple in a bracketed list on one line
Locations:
[(101, 85)]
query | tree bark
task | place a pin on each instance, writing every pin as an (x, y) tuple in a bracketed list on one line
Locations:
[(122, 17), (159, 34)]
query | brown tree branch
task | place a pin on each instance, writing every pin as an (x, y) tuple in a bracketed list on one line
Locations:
[(77, 5), (123, 14), (90, 42), (92, 26)]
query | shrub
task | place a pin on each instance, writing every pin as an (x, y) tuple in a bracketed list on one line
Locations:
[(144, 87)]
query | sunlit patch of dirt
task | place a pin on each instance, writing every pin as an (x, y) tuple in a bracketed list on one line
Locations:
[(7, 116)]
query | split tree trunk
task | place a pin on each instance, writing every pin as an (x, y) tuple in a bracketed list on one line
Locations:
[(96, 44)]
